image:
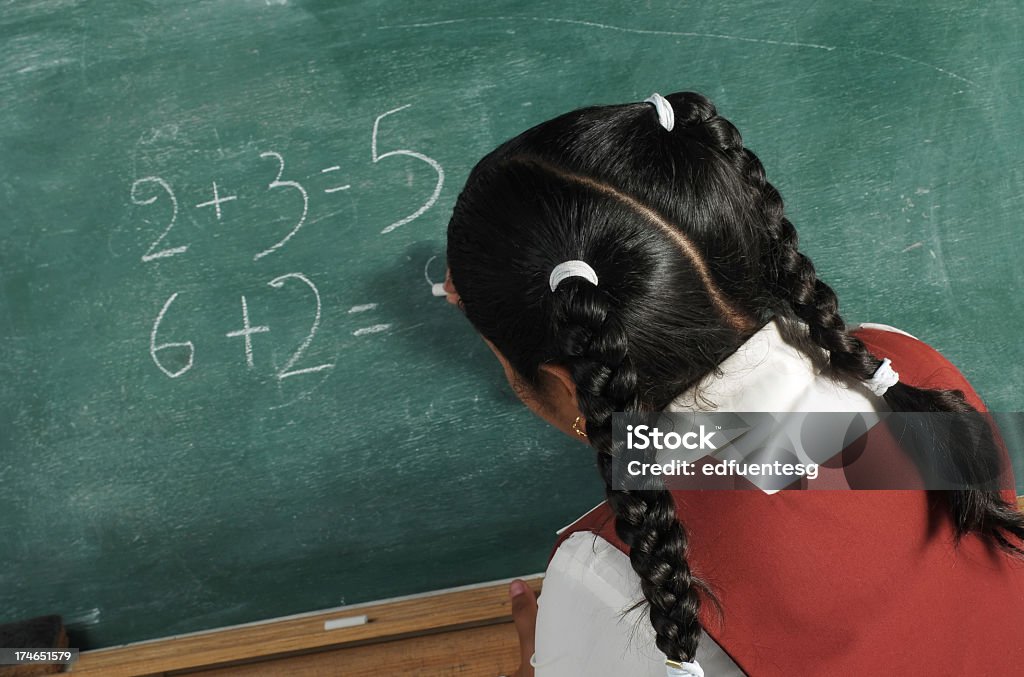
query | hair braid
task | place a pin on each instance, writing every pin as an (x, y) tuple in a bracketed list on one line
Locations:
[(799, 292), (596, 352), (945, 450), (787, 270)]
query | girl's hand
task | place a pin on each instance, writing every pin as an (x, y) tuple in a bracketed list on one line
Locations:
[(524, 616), (449, 288)]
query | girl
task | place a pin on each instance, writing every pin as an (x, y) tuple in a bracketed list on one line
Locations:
[(634, 258)]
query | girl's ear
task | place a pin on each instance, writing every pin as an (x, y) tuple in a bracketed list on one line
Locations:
[(554, 397), (559, 386), (560, 406)]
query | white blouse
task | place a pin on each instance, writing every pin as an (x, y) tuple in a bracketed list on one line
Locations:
[(584, 626)]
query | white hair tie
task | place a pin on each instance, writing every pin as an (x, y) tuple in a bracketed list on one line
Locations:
[(572, 268), (683, 669), (883, 378), (666, 116)]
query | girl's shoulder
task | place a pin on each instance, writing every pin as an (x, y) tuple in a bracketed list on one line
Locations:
[(589, 623)]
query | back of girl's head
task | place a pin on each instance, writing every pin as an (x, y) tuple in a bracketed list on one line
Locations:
[(667, 220)]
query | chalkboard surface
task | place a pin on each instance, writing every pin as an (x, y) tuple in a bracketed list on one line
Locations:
[(226, 392)]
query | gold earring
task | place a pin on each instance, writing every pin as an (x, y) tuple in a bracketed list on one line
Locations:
[(576, 427)]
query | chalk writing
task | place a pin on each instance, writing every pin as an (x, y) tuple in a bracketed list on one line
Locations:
[(410, 153), (154, 348), (278, 183), (147, 191), (287, 370), (246, 332), (216, 201), (328, 170), (436, 288), (163, 253)]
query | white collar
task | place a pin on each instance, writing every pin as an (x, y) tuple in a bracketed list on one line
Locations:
[(769, 374)]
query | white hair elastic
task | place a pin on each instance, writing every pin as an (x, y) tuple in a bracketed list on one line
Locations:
[(666, 116), (883, 378), (573, 268), (683, 669)]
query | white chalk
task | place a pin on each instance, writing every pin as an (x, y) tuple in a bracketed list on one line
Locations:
[(437, 289), (347, 622)]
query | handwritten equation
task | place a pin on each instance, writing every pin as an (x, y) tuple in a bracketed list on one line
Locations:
[(150, 190)]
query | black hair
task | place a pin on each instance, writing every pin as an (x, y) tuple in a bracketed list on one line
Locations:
[(694, 254)]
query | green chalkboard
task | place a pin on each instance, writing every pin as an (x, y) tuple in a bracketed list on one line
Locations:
[(226, 392)]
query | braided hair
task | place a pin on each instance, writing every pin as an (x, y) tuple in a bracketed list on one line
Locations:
[(694, 255)]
